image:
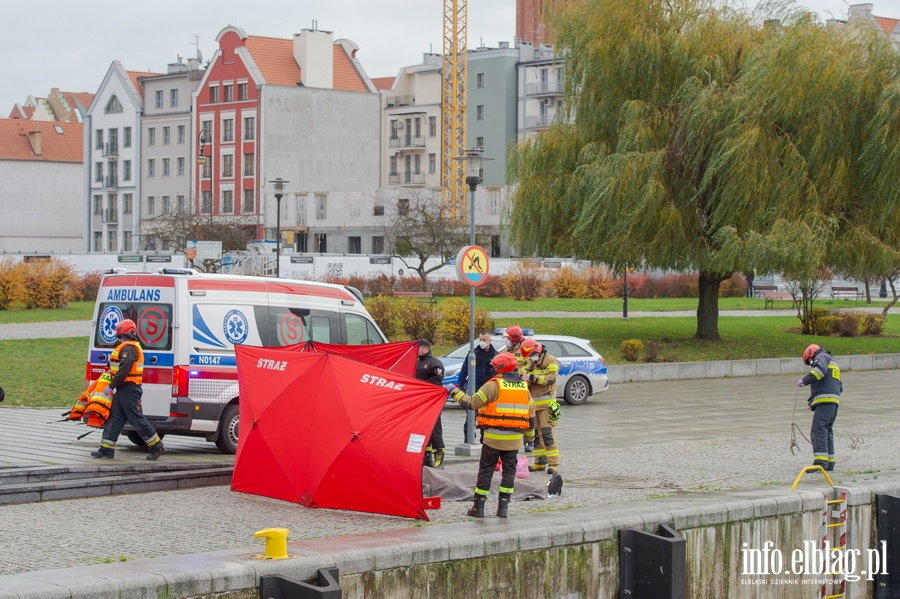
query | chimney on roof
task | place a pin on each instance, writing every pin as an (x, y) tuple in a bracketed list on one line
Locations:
[(861, 10), (34, 138), (314, 53)]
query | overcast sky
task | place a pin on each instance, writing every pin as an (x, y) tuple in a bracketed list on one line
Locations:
[(70, 44)]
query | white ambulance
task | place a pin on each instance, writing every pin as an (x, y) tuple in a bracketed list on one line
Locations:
[(188, 324)]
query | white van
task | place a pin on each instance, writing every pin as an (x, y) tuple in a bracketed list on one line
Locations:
[(188, 324)]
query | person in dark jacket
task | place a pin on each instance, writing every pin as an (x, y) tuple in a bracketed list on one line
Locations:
[(431, 370), (824, 380), (484, 353)]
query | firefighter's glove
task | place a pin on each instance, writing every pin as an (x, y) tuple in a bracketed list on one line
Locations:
[(553, 408), (451, 388), (800, 384), (108, 392)]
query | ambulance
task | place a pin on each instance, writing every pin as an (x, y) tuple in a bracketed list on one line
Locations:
[(188, 324)]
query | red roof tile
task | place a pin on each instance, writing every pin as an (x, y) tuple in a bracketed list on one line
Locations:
[(345, 76), (887, 25), (135, 79), (67, 146), (383, 83), (275, 59)]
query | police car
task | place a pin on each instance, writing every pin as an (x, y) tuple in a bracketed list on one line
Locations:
[(582, 371)]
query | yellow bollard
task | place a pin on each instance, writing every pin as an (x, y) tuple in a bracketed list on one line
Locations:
[(276, 543), (811, 469)]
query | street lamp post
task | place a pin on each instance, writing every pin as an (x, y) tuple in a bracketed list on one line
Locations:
[(279, 191), (474, 158)]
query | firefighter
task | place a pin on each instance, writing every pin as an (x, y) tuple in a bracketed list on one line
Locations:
[(505, 412), (126, 364), (824, 379), (540, 374), (514, 338), (431, 370)]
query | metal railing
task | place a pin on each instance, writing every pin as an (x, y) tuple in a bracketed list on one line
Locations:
[(543, 87), (406, 141), (110, 215), (400, 101), (110, 149)]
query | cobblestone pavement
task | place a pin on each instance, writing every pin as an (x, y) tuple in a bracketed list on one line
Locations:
[(669, 439)]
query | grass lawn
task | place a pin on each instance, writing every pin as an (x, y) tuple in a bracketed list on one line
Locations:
[(74, 311), (43, 372)]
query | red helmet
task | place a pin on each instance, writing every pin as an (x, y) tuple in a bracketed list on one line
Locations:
[(514, 333), (530, 346), (809, 353), (125, 326), (504, 362)]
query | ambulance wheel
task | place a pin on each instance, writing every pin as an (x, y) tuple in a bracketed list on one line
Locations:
[(136, 438), (578, 389), (228, 430)]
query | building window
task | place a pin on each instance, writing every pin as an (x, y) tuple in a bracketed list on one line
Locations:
[(379, 210), (479, 142), (432, 163), (249, 127), (173, 98), (493, 196), (242, 91), (206, 169), (127, 203), (208, 126), (114, 142), (432, 126), (227, 201), (403, 206), (180, 167), (98, 241), (111, 242), (229, 92), (354, 245), (495, 246), (126, 170), (113, 105), (126, 241), (165, 135), (151, 204), (180, 134), (99, 144), (206, 203), (151, 167), (98, 204), (228, 165), (393, 166), (151, 136), (166, 205), (321, 207), (249, 205), (395, 125), (165, 167), (479, 80), (418, 127), (179, 204), (98, 172), (479, 112), (126, 137), (378, 245), (213, 94), (249, 164), (159, 98), (321, 243), (418, 164), (228, 130)]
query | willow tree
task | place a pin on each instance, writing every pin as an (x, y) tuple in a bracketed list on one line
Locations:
[(699, 137)]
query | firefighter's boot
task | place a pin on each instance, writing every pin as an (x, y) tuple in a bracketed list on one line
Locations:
[(429, 457), (104, 452), (503, 505), (477, 509), (539, 465), (439, 459), (156, 450)]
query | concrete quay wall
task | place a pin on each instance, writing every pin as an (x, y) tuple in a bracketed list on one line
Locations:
[(562, 554)]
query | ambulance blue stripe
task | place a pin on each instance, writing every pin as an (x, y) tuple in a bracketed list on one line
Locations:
[(202, 332), (212, 360)]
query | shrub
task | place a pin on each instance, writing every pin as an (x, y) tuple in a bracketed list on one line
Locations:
[(566, 283), (409, 284), (12, 282), (651, 352), (454, 324), (383, 312), (822, 322), (47, 284), (598, 282), (418, 320), (631, 349), (85, 287), (523, 282), (492, 287), (846, 324), (871, 325), (334, 279), (671, 285), (736, 286)]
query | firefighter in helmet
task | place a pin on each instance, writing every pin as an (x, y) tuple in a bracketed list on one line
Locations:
[(824, 379), (540, 373), (514, 338), (126, 364), (505, 412)]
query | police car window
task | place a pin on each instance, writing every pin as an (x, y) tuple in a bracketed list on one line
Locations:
[(552, 348), (574, 351), (360, 331), (153, 322)]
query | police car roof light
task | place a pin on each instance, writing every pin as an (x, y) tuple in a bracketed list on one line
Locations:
[(501, 330)]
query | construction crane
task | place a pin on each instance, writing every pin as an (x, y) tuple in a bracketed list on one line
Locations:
[(453, 109)]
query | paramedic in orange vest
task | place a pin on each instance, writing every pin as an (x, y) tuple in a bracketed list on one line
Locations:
[(505, 412), (126, 363), (541, 375)]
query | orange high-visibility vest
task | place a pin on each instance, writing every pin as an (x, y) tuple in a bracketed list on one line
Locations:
[(98, 405), (137, 369), (510, 411)]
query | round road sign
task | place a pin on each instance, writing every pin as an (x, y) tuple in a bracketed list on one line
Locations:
[(472, 265)]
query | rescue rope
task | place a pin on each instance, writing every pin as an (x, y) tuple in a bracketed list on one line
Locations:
[(794, 428)]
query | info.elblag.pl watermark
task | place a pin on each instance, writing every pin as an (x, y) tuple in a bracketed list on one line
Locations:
[(813, 563)]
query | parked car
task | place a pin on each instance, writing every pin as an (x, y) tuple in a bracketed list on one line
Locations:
[(582, 371)]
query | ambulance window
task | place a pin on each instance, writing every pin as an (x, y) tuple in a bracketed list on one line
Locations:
[(153, 321), (320, 329), (360, 331)]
